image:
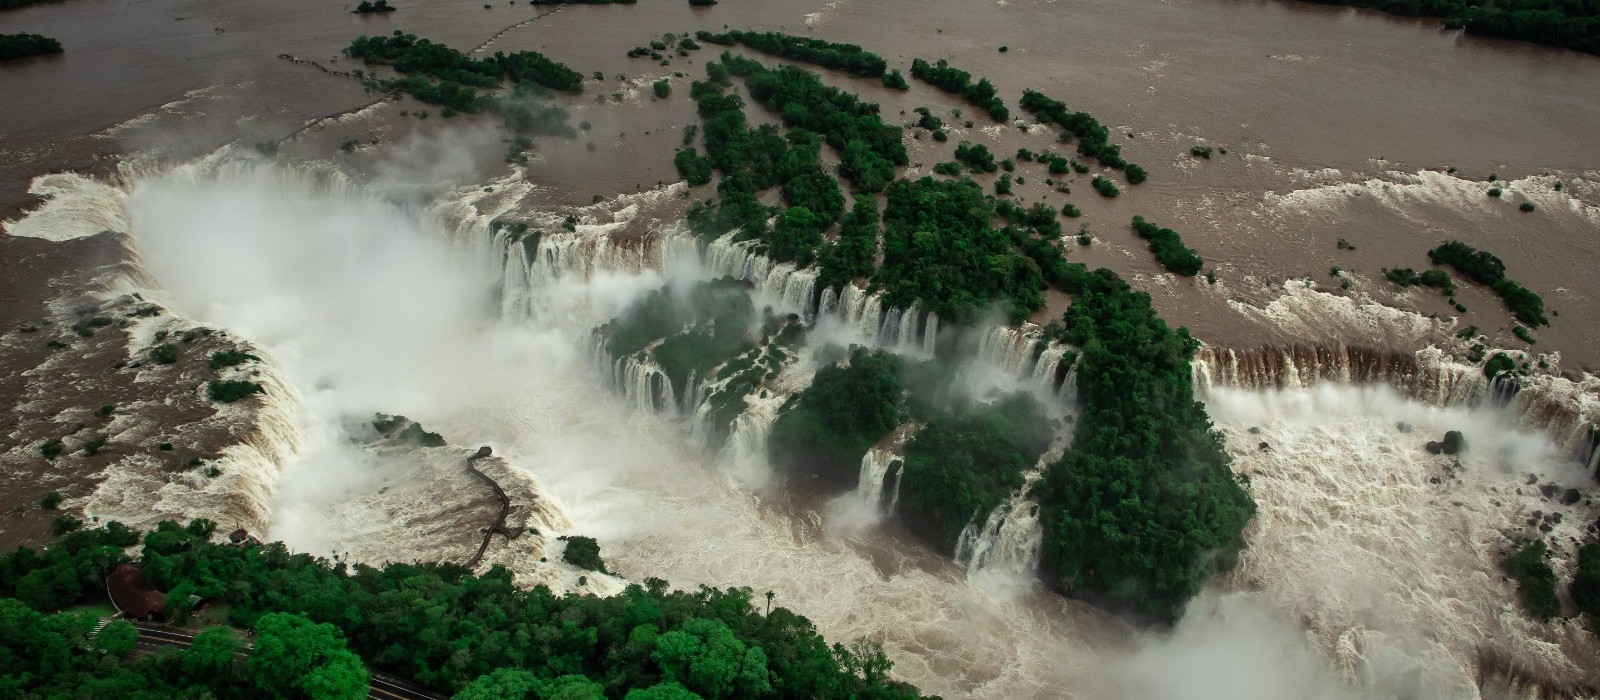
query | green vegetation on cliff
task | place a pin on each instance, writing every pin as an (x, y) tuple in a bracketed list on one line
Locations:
[(848, 407), (436, 624), (1536, 581), (1143, 508)]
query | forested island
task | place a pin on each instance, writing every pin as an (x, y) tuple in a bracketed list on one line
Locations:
[(318, 626), (24, 45)]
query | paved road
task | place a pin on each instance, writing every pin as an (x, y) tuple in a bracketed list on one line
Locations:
[(153, 637)]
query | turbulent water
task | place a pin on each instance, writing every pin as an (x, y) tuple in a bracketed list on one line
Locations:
[(1364, 576)]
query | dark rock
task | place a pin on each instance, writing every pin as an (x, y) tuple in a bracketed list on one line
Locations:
[(484, 451), (1255, 430), (1549, 490), (1434, 447), (1532, 479), (1433, 480), (1545, 527), (1403, 427), (1570, 496)]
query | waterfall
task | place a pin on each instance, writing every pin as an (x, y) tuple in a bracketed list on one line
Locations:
[(1011, 538), (877, 466), (1567, 409)]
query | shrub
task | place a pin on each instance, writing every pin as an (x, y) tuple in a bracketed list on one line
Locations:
[(92, 447), (164, 354), (1454, 442), (1494, 192), (1135, 173), (231, 391), (64, 524), (1105, 187), (1526, 206), (1536, 581), (584, 553), (229, 358), (662, 88), (1585, 586), (1201, 152), (1071, 211), (50, 501), (895, 81), (51, 448), (106, 410)]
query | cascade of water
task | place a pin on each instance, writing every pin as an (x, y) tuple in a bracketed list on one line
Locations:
[(877, 466), (1567, 409)]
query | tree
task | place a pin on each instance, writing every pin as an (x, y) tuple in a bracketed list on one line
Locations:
[(707, 658), (501, 684), (670, 690), (117, 638), (292, 652), (211, 654)]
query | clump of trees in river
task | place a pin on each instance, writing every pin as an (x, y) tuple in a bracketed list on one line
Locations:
[(442, 75), (1168, 248), (1484, 268), (849, 58), (956, 81), (23, 45), (1094, 139), (319, 626)]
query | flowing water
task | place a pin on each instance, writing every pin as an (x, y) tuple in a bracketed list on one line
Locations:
[(1365, 577)]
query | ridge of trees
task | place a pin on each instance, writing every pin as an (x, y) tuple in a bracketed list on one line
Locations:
[(848, 58), (437, 624), (1559, 23), (442, 75), (1093, 137)]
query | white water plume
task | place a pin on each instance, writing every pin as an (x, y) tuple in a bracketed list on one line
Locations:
[(1391, 554)]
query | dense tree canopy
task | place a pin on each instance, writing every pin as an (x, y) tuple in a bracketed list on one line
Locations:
[(849, 58), (1143, 508), (848, 407), (434, 623)]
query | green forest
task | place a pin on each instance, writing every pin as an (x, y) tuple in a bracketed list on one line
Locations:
[(1569, 24), (319, 626)]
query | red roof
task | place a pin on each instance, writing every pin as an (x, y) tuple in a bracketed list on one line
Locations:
[(132, 594)]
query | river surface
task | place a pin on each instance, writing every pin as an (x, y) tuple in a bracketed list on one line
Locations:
[(1338, 123)]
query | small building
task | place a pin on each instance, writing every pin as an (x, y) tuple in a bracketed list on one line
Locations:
[(132, 594), (241, 536)]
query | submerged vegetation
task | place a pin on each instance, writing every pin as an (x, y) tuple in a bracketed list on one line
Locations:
[(319, 625)]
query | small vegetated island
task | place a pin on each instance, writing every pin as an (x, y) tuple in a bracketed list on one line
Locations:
[(24, 45), (319, 626), (1570, 25), (1142, 508)]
